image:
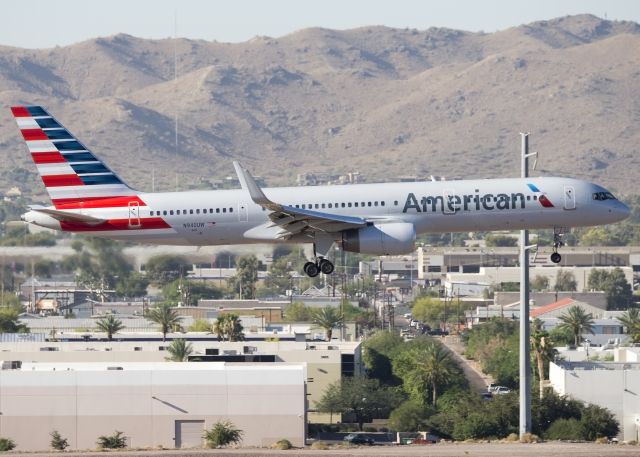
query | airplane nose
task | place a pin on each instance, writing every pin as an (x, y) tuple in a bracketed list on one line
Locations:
[(624, 211)]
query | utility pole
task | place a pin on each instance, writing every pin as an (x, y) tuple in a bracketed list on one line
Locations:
[(525, 348)]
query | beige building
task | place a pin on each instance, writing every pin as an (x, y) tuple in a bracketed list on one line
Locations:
[(326, 362), (153, 404)]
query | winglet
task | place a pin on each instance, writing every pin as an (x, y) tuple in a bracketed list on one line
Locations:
[(249, 184)]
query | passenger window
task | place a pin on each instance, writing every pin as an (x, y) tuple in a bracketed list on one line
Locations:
[(395, 202), (382, 203), (217, 210), (164, 213), (150, 213), (323, 206), (304, 206), (343, 205), (355, 204), (224, 210), (317, 206), (204, 210), (297, 206), (375, 203), (231, 210), (211, 210), (369, 204), (330, 206), (198, 211), (190, 211), (349, 204), (535, 197), (171, 212)]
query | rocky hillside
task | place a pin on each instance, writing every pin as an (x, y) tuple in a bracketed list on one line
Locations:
[(381, 101)]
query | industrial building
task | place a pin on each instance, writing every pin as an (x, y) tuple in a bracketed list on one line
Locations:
[(618, 381), (166, 405)]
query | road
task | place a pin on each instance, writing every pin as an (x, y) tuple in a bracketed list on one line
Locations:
[(472, 370), (553, 449)]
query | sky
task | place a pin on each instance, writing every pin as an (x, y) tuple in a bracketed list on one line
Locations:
[(47, 23)]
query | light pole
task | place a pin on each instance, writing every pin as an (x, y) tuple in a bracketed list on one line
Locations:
[(525, 349)]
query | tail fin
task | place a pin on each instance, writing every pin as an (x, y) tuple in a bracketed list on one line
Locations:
[(70, 172)]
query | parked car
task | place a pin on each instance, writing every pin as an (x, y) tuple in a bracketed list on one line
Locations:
[(358, 438), (437, 332), (501, 390), (407, 316)]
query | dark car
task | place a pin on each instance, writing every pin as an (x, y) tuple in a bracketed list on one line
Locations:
[(437, 332), (357, 438)]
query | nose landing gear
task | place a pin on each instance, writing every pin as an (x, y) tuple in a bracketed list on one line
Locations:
[(558, 242)]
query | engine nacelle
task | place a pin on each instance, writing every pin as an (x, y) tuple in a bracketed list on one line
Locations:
[(381, 239)]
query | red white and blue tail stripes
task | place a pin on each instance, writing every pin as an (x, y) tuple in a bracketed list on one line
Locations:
[(71, 173)]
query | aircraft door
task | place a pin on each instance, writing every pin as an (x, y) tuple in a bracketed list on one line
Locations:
[(569, 197), (134, 214), (450, 203), (243, 212)]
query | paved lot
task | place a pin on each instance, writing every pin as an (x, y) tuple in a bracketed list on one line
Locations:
[(436, 450)]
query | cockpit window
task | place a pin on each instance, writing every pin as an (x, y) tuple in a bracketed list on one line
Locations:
[(603, 196)]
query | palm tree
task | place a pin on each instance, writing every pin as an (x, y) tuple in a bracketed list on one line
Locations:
[(110, 325), (179, 350), (228, 327), (166, 317), (327, 318), (542, 349), (577, 321), (437, 367), (631, 320)]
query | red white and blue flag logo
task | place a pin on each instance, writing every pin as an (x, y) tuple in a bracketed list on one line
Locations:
[(542, 198)]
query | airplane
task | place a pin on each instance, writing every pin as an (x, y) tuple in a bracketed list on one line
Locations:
[(381, 219)]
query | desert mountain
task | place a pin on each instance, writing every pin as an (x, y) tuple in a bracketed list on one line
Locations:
[(385, 102)]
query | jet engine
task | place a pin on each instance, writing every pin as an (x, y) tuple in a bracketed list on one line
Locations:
[(381, 239)]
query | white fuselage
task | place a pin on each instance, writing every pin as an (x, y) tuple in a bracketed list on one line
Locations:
[(223, 217)]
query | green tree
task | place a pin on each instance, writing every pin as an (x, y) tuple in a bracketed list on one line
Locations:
[(109, 325), (115, 441), (132, 285), (425, 369), (179, 350), (614, 284), (330, 402), (540, 283), (364, 398), (229, 327), (496, 240), (429, 310), (279, 278), (201, 325), (327, 318), (58, 442), (243, 284), (10, 321), (410, 416), (297, 312), (222, 434), (378, 352), (166, 317), (598, 422), (189, 293), (565, 281), (631, 321), (164, 268), (576, 320)]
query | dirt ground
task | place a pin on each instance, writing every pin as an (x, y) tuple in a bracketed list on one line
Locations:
[(436, 450)]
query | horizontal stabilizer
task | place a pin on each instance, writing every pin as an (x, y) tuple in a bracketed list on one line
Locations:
[(67, 216)]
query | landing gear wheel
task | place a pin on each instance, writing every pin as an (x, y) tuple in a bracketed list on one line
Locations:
[(326, 266), (311, 269), (556, 258)]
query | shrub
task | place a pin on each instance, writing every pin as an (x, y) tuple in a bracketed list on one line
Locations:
[(512, 438), (283, 445), (529, 438), (58, 442), (320, 446), (221, 434), (6, 444), (115, 441), (565, 429), (476, 425), (598, 422)]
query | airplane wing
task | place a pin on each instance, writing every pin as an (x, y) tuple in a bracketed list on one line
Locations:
[(287, 221), (67, 216)]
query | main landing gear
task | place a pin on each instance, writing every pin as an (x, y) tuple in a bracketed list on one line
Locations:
[(313, 269), (558, 242)]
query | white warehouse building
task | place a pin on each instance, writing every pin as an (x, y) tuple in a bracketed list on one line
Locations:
[(153, 404)]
